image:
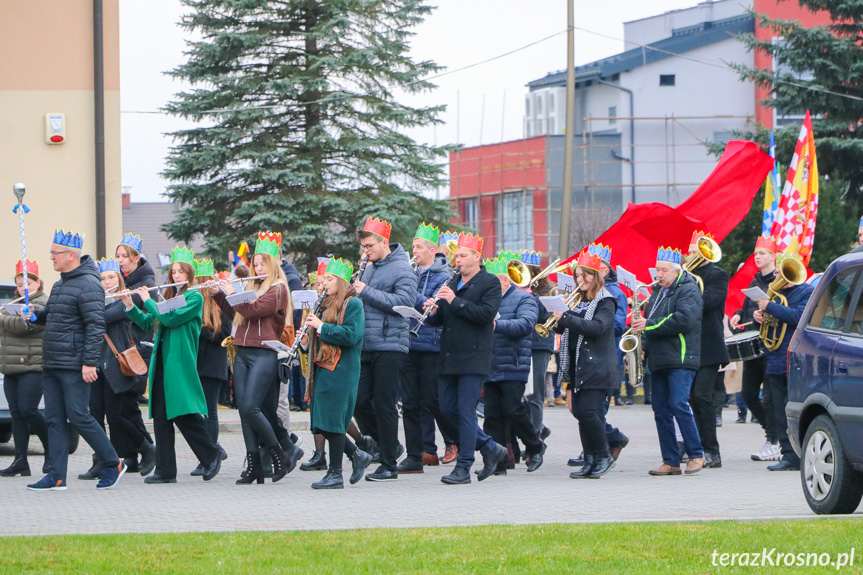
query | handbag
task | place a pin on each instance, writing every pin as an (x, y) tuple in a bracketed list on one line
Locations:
[(130, 360)]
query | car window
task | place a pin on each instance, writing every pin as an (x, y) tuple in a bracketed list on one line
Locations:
[(832, 307), (7, 293)]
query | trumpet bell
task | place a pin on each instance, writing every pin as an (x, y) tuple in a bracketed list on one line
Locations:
[(518, 272), (791, 271), (228, 341), (542, 330)]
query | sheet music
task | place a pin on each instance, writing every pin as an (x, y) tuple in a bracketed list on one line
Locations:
[(627, 278), (407, 311), (754, 293), (304, 298), (565, 283), (554, 303), (276, 345), (13, 308), (241, 297), (172, 304)]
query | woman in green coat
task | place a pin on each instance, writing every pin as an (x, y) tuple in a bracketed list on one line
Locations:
[(176, 395), (335, 343)]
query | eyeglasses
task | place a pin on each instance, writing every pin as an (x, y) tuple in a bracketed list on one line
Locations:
[(368, 247), (53, 253)]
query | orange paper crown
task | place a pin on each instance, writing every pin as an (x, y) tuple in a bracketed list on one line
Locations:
[(470, 242), (589, 260), (766, 244), (699, 234), (378, 227), (32, 268), (322, 266)]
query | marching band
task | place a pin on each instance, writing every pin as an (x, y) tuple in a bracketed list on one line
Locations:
[(433, 333)]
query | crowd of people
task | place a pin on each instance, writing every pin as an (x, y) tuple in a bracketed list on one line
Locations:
[(443, 335)]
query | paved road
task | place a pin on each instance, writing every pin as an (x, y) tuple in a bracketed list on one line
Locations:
[(742, 489)]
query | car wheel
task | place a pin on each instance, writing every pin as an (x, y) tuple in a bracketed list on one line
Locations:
[(5, 436), (73, 440), (830, 484)]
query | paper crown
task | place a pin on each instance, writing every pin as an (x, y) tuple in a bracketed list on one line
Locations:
[(782, 256), (470, 242), (447, 236), (204, 267), (496, 266), (269, 243), (340, 268), (428, 232), (531, 258), (32, 268), (322, 265), (861, 223), (765, 244), (589, 260), (699, 234), (671, 255), (604, 252), (378, 227), (133, 241), (68, 240), (109, 265), (509, 255), (183, 255)]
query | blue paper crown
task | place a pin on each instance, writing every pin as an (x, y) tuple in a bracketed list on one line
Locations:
[(604, 252), (861, 222), (531, 258), (133, 241), (109, 265), (668, 255), (446, 236), (68, 240)]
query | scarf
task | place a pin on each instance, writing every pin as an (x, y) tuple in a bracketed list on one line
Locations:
[(563, 371)]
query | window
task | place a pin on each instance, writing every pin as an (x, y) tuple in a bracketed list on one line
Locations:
[(721, 136), (539, 99), (666, 79), (612, 114), (832, 307), (514, 221), (470, 215)]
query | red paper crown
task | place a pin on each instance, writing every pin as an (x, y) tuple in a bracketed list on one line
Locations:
[(322, 266), (470, 242), (699, 234), (589, 260), (378, 227), (32, 268), (766, 244)]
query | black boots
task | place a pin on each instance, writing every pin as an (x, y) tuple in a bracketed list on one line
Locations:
[(332, 480), (19, 467), (148, 458), (318, 462), (360, 460), (95, 472), (587, 469), (280, 463), (254, 472), (601, 466), (741, 415)]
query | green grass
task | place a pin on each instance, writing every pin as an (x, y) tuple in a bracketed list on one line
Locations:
[(579, 548)]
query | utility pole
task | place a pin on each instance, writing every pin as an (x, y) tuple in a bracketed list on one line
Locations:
[(569, 135)]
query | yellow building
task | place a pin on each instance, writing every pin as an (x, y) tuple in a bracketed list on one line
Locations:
[(47, 68)]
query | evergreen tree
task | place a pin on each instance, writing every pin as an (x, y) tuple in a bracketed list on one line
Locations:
[(298, 129)]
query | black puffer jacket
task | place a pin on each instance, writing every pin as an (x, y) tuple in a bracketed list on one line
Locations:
[(74, 319), (295, 283), (468, 323), (118, 326), (511, 341), (750, 307), (672, 337), (713, 350), (596, 367)]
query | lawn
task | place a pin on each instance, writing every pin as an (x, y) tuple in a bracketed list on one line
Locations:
[(578, 548)]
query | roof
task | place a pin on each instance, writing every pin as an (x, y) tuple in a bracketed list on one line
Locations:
[(682, 40)]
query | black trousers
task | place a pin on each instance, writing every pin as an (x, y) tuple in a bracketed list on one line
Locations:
[(191, 425), (754, 375), (255, 369), (124, 419), (701, 401), (779, 390), (23, 393), (375, 411), (339, 445), (420, 393), (505, 404), (588, 407), (212, 387)]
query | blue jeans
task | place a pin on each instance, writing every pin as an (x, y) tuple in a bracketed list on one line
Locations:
[(67, 396), (459, 395), (671, 401)]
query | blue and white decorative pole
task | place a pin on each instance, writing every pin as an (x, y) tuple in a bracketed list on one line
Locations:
[(22, 209)]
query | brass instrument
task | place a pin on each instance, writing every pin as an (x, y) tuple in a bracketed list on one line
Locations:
[(518, 272), (133, 292), (630, 344), (708, 251), (449, 251), (571, 301), (790, 272), (552, 268), (228, 343)]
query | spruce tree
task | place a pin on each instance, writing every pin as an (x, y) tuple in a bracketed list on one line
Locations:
[(298, 128)]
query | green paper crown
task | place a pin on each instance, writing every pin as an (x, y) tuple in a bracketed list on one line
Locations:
[(509, 255), (496, 266), (204, 267), (183, 254), (427, 232), (340, 268), (269, 243)]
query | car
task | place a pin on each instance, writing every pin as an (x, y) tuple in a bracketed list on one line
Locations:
[(825, 389)]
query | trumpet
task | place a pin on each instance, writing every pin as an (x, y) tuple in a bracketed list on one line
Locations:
[(133, 292), (791, 272), (544, 329), (413, 263), (422, 320)]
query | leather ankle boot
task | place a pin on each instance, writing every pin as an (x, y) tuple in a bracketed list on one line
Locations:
[(332, 480), (601, 467), (316, 463), (19, 467), (360, 460), (589, 463), (148, 458), (95, 472), (280, 463), (254, 472)]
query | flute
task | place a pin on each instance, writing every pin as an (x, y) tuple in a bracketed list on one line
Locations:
[(133, 292)]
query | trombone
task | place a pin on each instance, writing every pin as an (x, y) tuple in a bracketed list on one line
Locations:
[(552, 268), (792, 272)]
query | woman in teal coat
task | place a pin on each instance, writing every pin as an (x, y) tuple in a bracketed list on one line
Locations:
[(176, 395), (335, 342)]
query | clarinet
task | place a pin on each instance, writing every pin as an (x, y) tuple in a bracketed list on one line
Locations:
[(295, 349), (421, 321), (358, 276)]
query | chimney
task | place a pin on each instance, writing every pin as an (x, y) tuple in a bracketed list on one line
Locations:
[(127, 200)]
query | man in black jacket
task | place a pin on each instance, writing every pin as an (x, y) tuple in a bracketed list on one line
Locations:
[(74, 320), (672, 345), (713, 352), (466, 309)]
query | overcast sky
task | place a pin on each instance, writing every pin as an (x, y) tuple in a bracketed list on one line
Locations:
[(484, 104)]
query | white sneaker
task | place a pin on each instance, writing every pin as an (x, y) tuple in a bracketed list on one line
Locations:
[(769, 452)]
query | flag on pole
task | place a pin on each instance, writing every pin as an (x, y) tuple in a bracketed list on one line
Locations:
[(794, 223), (772, 189)]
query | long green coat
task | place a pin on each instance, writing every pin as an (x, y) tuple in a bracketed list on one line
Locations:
[(335, 392), (179, 331)]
